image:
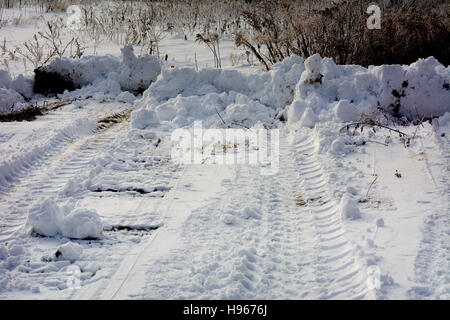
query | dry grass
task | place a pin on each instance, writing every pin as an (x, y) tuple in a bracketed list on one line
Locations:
[(409, 30)]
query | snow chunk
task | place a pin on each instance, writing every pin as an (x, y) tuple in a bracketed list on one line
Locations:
[(228, 219), (137, 73), (444, 120), (8, 99), (349, 208), (22, 85), (339, 146), (81, 224), (69, 251), (126, 97), (144, 118), (182, 95), (48, 219), (346, 111), (248, 213)]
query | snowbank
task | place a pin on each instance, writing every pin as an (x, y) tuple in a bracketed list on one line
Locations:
[(315, 90), (48, 219), (348, 91), (103, 74), (182, 95)]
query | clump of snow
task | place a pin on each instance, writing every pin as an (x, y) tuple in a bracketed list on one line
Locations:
[(81, 224), (48, 219), (228, 219), (144, 118), (70, 251), (346, 111), (349, 208), (45, 218), (340, 146), (8, 100), (248, 213), (445, 119), (22, 85), (86, 70), (14, 92), (137, 73), (126, 97)]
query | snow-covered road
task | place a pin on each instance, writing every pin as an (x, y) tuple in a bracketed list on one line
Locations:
[(232, 233), (208, 231)]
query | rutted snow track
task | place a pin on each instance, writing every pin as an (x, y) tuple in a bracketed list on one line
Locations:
[(42, 177), (248, 236), (433, 259)]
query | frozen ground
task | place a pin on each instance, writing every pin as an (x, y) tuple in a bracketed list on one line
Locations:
[(92, 207)]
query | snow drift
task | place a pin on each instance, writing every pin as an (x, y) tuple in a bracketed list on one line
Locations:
[(345, 92), (182, 95), (314, 90), (104, 73)]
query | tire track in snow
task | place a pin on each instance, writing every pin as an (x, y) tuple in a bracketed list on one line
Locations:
[(306, 254), (286, 251), (339, 274), (432, 261), (49, 172)]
